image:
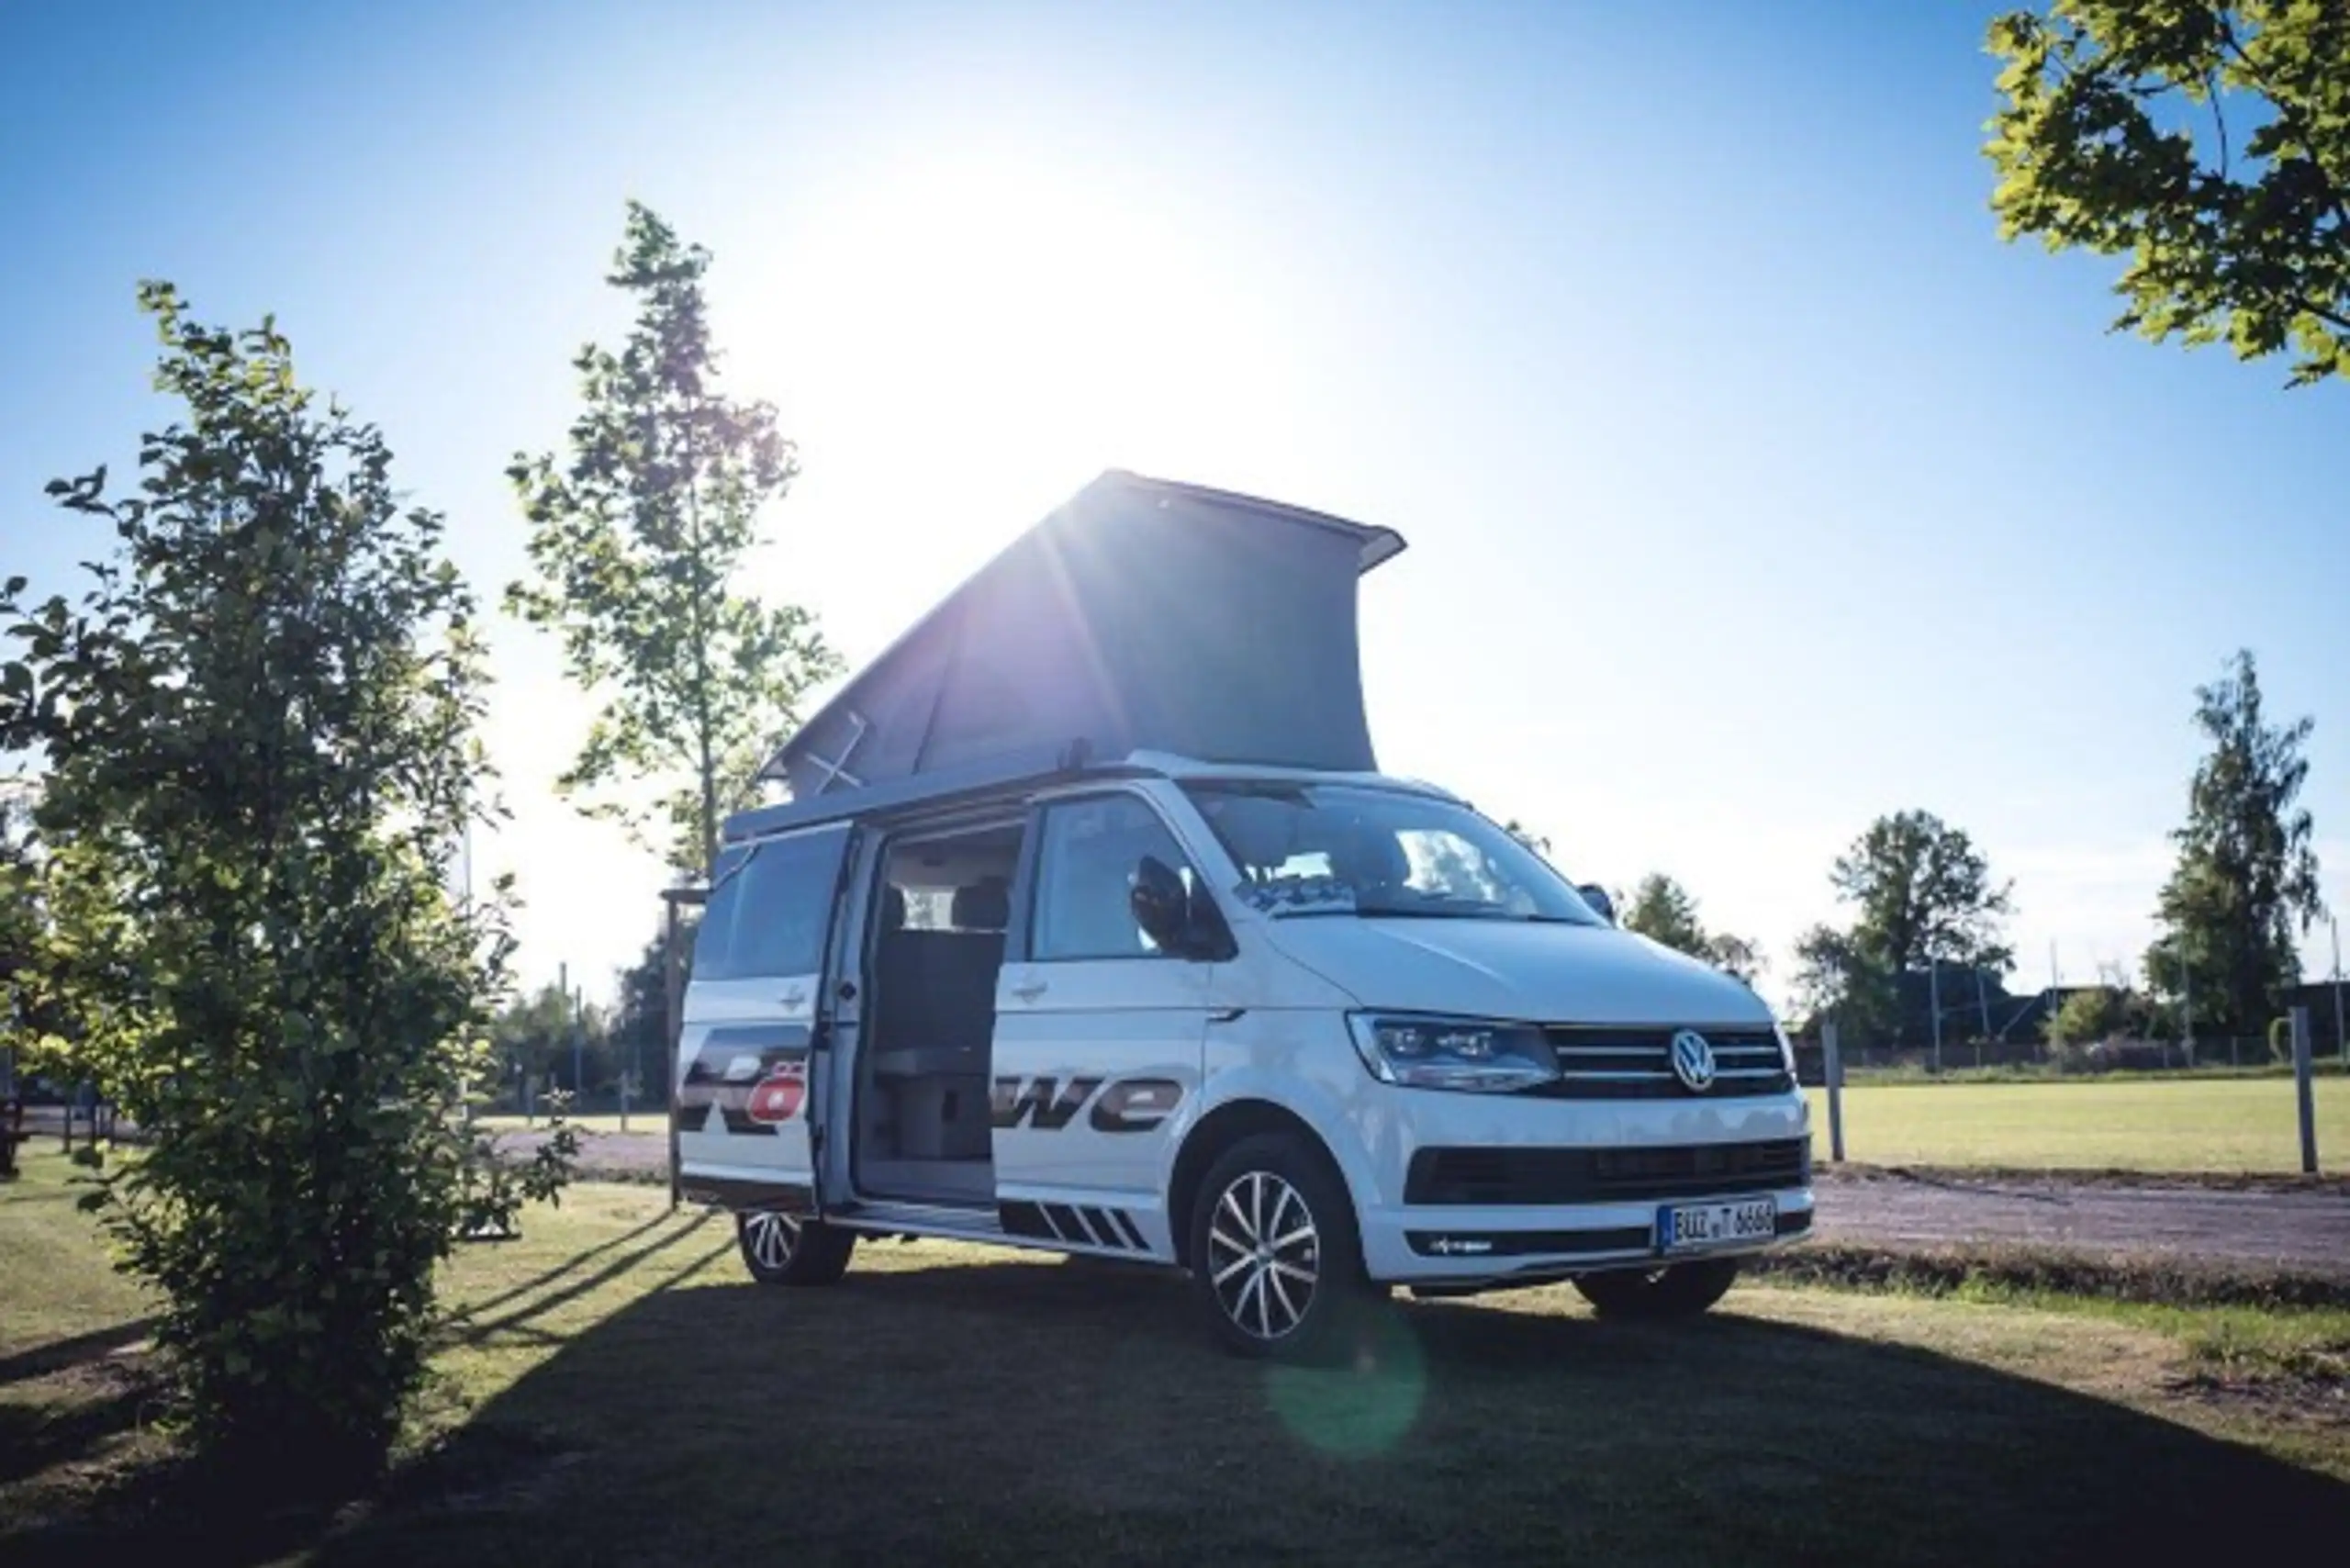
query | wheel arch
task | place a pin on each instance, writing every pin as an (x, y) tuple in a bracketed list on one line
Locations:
[(1218, 1131)]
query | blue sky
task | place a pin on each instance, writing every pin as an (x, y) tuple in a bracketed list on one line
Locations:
[(1754, 489)]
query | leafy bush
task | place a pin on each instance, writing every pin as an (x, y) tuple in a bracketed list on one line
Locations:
[(257, 725)]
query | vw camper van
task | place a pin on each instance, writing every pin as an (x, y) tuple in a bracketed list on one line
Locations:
[(1091, 925)]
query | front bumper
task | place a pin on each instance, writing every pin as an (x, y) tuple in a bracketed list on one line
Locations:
[(1452, 1245)]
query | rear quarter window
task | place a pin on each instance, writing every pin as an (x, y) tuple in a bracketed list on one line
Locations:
[(768, 916)]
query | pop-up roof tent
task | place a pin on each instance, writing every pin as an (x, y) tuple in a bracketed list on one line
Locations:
[(1140, 616)]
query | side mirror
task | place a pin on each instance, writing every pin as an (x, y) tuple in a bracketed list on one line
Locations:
[(1596, 897), (1179, 920)]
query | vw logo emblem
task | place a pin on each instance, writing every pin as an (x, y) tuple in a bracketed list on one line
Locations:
[(1693, 1061)]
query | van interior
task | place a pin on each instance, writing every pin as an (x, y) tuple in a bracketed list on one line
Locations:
[(923, 1075)]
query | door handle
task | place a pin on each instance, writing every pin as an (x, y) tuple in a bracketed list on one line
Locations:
[(1029, 991)]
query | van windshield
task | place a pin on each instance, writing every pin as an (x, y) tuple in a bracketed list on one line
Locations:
[(1344, 849)]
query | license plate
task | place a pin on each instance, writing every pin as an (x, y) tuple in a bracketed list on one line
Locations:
[(1689, 1228)]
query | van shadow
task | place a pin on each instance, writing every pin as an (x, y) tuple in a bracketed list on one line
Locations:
[(1034, 1413)]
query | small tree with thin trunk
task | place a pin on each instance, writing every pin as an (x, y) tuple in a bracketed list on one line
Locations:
[(636, 537)]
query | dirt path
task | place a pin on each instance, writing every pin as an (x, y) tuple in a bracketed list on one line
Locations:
[(2306, 1231)]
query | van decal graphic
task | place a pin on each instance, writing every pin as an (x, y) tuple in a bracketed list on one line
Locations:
[(1127, 1106), (779, 1096), (743, 1073)]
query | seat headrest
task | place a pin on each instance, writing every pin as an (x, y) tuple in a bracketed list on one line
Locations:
[(985, 905), (893, 909)]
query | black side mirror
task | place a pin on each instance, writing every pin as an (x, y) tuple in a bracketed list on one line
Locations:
[(1596, 897), (1179, 919)]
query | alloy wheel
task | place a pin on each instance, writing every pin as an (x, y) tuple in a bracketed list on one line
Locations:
[(770, 1239), (1264, 1255)]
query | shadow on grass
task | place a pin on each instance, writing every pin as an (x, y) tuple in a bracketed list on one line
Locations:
[(1038, 1414), (61, 1355), (1034, 1414), (38, 1437), (471, 1327)]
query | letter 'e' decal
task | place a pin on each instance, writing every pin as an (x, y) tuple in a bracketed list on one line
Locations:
[(1135, 1104)]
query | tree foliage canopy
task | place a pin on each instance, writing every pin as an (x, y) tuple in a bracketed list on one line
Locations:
[(2247, 872), (1922, 894), (256, 726), (636, 537), (1664, 912), (2209, 140)]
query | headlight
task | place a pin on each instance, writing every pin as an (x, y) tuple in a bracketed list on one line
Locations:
[(1786, 1050), (1475, 1053)]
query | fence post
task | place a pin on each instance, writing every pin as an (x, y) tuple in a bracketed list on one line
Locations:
[(2302, 1091), (1832, 1069), (672, 985)]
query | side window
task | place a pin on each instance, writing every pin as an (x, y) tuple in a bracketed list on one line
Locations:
[(769, 917), (1085, 863)]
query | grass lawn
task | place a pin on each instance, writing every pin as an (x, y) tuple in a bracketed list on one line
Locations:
[(616, 1392), (2203, 1124)]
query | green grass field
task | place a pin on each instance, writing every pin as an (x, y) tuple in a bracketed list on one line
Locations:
[(613, 1390), (2204, 1125)]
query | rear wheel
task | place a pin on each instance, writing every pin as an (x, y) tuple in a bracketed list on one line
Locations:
[(784, 1249), (1275, 1254), (1677, 1290)]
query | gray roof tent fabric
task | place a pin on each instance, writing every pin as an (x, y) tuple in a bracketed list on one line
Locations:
[(1142, 615)]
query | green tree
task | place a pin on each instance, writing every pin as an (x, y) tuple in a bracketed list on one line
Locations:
[(2209, 141), (1922, 895), (2093, 1013), (1663, 910), (2247, 873), (256, 727), (636, 537), (22, 919)]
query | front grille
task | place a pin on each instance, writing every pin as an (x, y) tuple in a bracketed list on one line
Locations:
[(1505, 1175), (1636, 1064)]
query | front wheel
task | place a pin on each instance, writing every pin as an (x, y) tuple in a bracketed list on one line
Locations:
[(1677, 1290), (1275, 1255), (784, 1249)]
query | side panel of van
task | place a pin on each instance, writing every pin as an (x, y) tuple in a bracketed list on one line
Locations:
[(749, 1082)]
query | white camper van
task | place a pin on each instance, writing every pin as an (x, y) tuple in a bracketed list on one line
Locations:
[(1092, 926)]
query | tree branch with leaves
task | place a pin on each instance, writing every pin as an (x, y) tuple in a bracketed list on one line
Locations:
[(2243, 239), (637, 536)]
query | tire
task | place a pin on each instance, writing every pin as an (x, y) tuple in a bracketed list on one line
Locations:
[(1299, 1301), (1678, 1290), (781, 1250)]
